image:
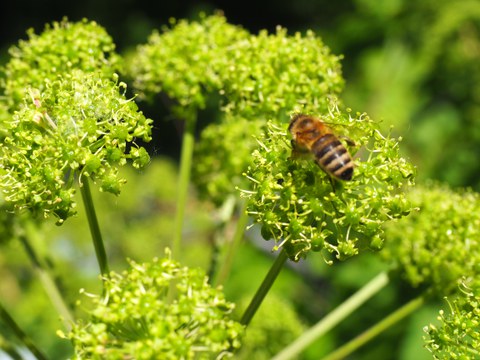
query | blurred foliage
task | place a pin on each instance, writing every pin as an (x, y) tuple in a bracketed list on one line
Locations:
[(223, 152), (436, 249), (140, 222), (415, 65)]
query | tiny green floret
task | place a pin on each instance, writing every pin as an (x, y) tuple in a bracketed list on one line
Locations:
[(158, 310), (302, 209)]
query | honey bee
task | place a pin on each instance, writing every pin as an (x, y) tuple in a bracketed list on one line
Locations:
[(311, 135)]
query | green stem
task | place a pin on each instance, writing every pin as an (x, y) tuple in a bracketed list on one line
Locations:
[(223, 216), (94, 228), (48, 283), (264, 288), (378, 328), (184, 180), (233, 245), (215, 253), (333, 318), (24, 338)]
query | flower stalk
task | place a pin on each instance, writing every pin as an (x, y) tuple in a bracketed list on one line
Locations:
[(184, 180), (264, 288), (233, 246), (94, 228)]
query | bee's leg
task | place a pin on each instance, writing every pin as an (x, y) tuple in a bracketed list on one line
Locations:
[(332, 182), (347, 140), (336, 184)]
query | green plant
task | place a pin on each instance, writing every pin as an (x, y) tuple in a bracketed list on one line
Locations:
[(70, 118)]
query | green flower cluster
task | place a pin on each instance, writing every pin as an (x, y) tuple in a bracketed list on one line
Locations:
[(459, 335), (60, 48), (74, 121), (303, 209), (440, 244), (158, 310), (254, 77)]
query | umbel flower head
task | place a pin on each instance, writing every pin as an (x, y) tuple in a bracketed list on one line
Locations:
[(302, 209), (158, 310), (79, 125)]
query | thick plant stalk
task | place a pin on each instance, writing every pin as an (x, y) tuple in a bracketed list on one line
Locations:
[(94, 229), (264, 288), (334, 317), (375, 330), (183, 182)]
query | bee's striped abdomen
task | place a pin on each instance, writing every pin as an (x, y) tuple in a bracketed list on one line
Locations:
[(332, 157)]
